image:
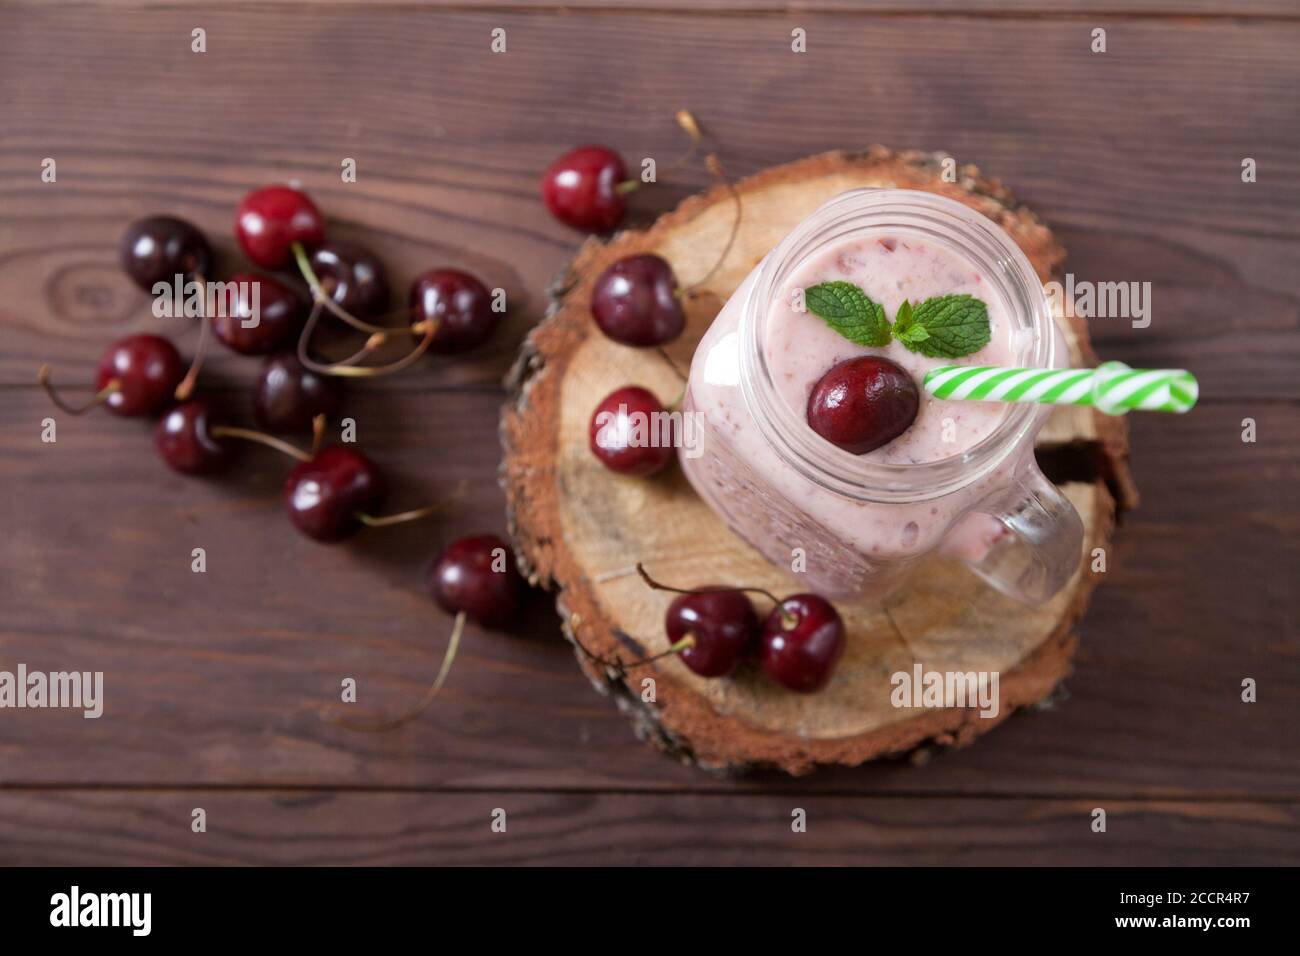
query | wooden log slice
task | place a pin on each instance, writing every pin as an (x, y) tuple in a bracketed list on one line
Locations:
[(579, 528)]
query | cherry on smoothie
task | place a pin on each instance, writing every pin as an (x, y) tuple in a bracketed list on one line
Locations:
[(186, 442), (863, 403), (457, 306), (624, 433), (329, 496), (288, 397), (159, 248), (635, 301), (477, 576), (583, 188), (281, 312), (717, 627), (802, 640), (353, 277), (270, 220)]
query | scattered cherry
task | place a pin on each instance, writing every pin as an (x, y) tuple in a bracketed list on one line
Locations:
[(721, 625), (270, 220), (185, 440), (328, 495), (146, 368), (635, 301), (802, 640), (353, 277), (287, 396), (626, 444), (137, 376), (863, 403), (477, 576), (583, 188), (159, 248), (281, 314), (465, 581), (458, 307)]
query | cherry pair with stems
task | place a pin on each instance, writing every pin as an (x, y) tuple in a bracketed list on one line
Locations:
[(712, 629)]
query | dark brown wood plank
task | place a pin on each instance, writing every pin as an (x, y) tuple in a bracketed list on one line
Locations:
[(215, 679), (794, 10), (1134, 155), (314, 828)]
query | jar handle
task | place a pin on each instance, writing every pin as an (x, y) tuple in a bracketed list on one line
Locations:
[(1042, 551)]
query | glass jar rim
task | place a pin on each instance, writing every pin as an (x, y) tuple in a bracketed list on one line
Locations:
[(977, 237)]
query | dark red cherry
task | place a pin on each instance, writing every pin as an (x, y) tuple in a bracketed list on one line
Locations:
[(630, 433), (325, 495), (802, 640), (271, 219), (159, 248), (279, 312), (635, 301), (863, 403), (146, 368), (581, 188), (723, 624), (353, 277), (477, 575), (185, 440), (458, 304), (287, 395)]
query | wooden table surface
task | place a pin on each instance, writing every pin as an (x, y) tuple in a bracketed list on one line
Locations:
[(212, 680)]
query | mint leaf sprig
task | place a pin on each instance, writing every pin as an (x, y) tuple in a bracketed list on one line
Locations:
[(849, 311), (944, 326)]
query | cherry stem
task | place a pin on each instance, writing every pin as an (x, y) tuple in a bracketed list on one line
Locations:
[(43, 377), (686, 120), (685, 644), (348, 367), (317, 433), (309, 329), (247, 434), (663, 354), (373, 344), (415, 514), (392, 723), (688, 123), (324, 298), (787, 618), (715, 167), (186, 387)]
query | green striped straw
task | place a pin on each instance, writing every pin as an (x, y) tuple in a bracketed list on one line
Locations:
[(1113, 387)]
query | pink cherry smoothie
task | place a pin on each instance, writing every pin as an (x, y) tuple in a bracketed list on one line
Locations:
[(801, 347), (851, 546)]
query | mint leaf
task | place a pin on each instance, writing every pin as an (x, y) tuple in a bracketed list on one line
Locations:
[(849, 311), (946, 326), (903, 318)]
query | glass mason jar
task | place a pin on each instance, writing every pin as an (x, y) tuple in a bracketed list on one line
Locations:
[(853, 526)]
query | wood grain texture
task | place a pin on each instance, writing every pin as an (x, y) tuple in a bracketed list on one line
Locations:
[(1140, 175), (1133, 158), (795, 9), (620, 829), (215, 679)]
